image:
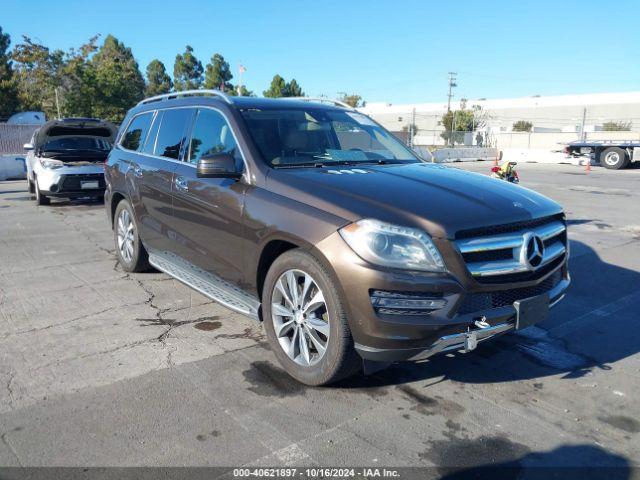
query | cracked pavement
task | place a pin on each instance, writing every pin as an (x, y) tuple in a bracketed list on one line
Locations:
[(99, 367)]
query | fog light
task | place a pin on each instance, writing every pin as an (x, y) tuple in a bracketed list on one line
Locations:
[(400, 303)]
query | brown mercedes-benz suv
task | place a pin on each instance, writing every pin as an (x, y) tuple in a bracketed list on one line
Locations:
[(312, 218)]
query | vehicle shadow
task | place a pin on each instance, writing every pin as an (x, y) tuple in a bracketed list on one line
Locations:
[(567, 462), (594, 327)]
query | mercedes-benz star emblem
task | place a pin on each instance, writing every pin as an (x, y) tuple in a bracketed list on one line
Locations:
[(532, 251)]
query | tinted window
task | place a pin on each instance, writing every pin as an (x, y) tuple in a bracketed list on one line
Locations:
[(136, 132), (76, 143), (211, 135), (312, 136), (171, 136)]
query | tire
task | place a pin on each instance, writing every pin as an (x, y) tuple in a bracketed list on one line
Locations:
[(131, 254), (327, 323), (32, 189), (614, 158), (40, 198)]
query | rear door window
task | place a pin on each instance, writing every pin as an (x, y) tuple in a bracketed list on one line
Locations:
[(173, 131), (136, 132)]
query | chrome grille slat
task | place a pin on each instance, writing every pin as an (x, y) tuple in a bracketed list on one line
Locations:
[(510, 244)]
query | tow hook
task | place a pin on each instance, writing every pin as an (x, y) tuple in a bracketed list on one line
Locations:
[(471, 338), (470, 341)]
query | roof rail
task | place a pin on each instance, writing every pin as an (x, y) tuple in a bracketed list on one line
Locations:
[(320, 100), (187, 93)]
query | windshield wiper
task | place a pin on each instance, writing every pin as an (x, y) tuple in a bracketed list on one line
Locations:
[(300, 165)]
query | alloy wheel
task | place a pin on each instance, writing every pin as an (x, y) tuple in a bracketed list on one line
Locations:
[(300, 317), (126, 235)]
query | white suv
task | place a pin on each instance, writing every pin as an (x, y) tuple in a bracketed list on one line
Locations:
[(65, 158)]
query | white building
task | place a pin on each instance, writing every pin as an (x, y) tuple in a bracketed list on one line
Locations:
[(553, 114)]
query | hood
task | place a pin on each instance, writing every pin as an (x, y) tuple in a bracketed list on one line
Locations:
[(442, 200), (75, 127)]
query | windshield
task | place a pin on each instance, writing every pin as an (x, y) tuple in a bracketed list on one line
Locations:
[(76, 143), (301, 137)]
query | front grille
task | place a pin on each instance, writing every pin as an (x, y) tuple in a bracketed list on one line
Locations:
[(477, 302), (505, 253), (72, 183), (507, 227)]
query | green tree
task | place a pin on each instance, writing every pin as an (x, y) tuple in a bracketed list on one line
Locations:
[(522, 126), (457, 122), (353, 100), (78, 90), (187, 71), (158, 81), (8, 90), (292, 89), (244, 92), (616, 126), (37, 75), (277, 89), (218, 74), (118, 80)]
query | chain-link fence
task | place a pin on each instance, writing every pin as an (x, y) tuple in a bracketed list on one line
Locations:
[(13, 137)]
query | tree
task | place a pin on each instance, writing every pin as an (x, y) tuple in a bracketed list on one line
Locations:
[(354, 100), (8, 91), (522, 126), (244, 92), (218, 74), (457, 122), (616, 126), (77, 92), (118, 80), (37, 74), (187, 71), (158, 81), (292, 89), (277, 89)]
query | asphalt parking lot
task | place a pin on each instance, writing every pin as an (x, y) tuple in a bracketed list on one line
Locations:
[(103, 368)]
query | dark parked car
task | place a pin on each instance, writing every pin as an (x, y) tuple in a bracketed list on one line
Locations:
[(315, 220)]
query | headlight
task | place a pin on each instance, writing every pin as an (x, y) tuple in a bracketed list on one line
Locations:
[(393, 246), (48, 163)]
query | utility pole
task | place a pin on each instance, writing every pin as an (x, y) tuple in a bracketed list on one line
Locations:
[(57, 102), (452, 84), (584, 121), (412, 127)]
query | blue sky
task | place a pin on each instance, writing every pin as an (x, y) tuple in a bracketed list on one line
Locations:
[(395, 51)]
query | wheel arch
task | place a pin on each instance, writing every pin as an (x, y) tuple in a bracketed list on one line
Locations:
[(116, 198)]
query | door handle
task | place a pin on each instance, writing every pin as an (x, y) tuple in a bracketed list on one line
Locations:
[(137, 171), (181, 184)]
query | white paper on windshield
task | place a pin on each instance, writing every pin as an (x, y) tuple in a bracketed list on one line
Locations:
[(361, 119)]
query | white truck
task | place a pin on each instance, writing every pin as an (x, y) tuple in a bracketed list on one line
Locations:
[(611, 154)]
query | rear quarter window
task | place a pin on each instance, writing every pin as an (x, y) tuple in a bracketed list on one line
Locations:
[(136, 132)]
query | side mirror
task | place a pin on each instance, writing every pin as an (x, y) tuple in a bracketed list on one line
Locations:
[(28, 146), (218, 165)]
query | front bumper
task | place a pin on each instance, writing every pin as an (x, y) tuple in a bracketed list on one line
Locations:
[(67, 182), (386, 337)]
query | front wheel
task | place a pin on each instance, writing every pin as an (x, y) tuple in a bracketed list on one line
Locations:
[(614, 158), (131, 253), (305, 321), (40, 198)]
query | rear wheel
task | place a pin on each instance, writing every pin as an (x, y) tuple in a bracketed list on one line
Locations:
[(40, 198), (305, 321), (131, 253), (614, 158)]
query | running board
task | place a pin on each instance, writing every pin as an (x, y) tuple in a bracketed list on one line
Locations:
[(206, 283)]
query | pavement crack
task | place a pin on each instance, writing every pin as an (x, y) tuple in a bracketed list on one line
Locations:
[(4, 440)]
